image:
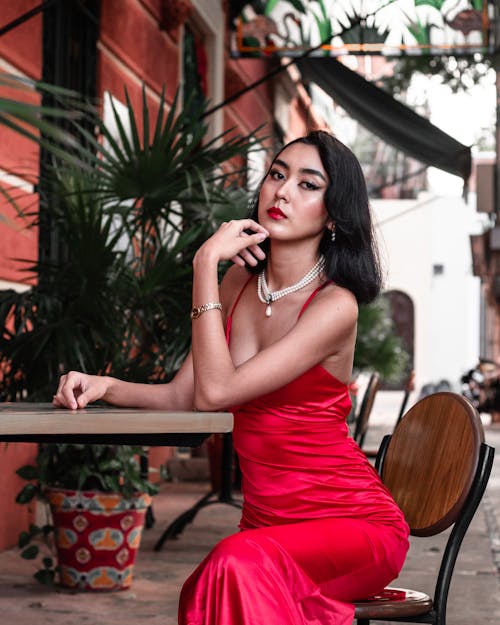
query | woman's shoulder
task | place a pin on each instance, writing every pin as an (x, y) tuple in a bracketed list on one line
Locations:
[(232, 283), (235, 277), (335, 293), (334, 300)]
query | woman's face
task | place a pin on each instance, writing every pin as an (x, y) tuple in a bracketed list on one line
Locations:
[(291, 199)]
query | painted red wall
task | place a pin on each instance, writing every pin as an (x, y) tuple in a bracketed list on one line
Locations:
[(21, 48), (13, 517), (255, 108), (146, 53), (18, 242), (132, 50)]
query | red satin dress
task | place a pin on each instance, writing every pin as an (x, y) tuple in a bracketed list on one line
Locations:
[(319, 529)]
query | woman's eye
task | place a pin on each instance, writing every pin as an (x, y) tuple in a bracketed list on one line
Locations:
[(310, 185), (277, 175)]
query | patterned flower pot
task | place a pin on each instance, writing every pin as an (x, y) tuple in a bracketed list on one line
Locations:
[(97, 537)]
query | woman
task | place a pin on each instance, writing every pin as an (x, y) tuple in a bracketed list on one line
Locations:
[(276, 348)]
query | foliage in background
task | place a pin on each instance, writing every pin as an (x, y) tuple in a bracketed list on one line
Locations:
[(378, 348), (130, 209), (458, 73)]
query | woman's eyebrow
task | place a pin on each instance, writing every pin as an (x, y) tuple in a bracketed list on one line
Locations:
[(278, 161), (314, 172), (303, 170)]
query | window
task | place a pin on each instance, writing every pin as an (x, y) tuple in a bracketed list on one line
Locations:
[(203, 57)]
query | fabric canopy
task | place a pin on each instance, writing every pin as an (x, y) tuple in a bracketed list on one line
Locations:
[(389, 119)]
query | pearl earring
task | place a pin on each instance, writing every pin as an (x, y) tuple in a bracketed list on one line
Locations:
[(332, 236)]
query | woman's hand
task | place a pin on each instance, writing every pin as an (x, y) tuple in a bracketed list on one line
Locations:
[(77, 389), (238, 241)]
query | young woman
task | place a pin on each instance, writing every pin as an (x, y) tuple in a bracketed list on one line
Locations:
[(274, 344)]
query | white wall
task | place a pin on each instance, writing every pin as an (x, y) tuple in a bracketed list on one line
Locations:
[(416, 235)]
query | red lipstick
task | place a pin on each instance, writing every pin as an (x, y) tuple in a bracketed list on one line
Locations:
[(276, 213)]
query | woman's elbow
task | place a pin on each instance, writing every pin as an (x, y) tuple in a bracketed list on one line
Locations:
[(209, 400)]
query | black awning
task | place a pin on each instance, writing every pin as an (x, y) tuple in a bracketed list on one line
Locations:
[(389, 119)]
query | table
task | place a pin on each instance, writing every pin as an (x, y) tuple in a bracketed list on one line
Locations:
[(107, 425)]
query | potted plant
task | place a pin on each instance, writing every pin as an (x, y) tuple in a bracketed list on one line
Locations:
[(97, 500)]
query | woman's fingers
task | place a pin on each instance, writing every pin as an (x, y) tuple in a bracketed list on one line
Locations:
[(258, 252), (68, 390), (76, 390), (242, 225), (250, 256), (237, 260), (239, 239)]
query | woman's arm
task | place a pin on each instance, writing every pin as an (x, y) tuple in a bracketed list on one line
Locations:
[(77, 389), (326, 329)]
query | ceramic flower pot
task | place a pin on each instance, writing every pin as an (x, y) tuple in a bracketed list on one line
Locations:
[(97, 537)]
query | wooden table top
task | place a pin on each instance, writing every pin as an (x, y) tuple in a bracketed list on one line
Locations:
[(39, 422)]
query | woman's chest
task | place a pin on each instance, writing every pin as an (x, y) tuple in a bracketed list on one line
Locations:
[(252, 332)]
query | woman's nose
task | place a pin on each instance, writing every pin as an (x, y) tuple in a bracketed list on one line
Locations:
[(282, 192)]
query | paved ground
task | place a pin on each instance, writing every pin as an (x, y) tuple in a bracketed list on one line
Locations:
[(474, 595)]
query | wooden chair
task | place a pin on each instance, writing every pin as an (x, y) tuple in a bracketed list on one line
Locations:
[(436, 465), (361, 425), (408, 389)]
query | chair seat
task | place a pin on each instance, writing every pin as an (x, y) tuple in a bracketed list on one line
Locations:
[(393, 602)]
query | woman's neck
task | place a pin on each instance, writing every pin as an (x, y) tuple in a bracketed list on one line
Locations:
[(286, 265)]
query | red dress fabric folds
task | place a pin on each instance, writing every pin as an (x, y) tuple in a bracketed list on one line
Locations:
[(319, 529)]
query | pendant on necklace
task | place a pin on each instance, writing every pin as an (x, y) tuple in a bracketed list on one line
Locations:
[(268, 308)]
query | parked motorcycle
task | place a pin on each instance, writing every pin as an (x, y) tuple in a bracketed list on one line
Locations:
[(481, 386)]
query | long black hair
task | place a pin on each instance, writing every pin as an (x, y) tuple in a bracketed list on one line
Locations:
[(352, 259)]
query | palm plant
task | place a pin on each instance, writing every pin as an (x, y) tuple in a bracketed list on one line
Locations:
[(131, 210)]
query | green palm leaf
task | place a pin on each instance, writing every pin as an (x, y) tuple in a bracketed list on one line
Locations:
[(131, 208)]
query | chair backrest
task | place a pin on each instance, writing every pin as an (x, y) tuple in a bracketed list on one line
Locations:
[(431, 460), (437, 466), (365, 409)]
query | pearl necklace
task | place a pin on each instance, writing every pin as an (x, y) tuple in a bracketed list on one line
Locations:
[(265, 295)]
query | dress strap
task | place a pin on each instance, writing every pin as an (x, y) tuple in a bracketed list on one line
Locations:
[(229, 320), (310, 298)]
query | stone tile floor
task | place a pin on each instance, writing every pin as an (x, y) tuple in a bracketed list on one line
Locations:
[(158, 576), (152, 599)]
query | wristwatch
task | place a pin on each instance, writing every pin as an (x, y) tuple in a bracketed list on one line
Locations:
[(197, 311)]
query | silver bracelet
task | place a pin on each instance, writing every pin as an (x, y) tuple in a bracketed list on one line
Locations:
[(197, 311)]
